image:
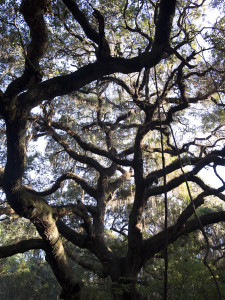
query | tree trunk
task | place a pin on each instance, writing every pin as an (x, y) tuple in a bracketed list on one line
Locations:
[(69, 295), (124, 281), (125, 289)]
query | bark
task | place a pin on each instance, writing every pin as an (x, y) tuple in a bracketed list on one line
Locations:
[(32, 206), (16, 113), (33, 14), (26, 92), (21, 247), (124, 281), (63, 85)]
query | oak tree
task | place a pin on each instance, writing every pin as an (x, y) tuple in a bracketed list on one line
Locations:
[(102, 108)]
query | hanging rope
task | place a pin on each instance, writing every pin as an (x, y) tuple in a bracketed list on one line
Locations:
[(165, 197), (196, 216), (189, 193), (188, 188)]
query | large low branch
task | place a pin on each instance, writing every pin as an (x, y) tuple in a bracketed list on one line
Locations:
[(21, 247), (41, 215), (197, 202), (189, 176), (156, 243)]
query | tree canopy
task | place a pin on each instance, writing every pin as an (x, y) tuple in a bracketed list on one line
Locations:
[(112, 138)]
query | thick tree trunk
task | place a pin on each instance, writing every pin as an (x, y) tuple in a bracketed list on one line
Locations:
[(124, 281), (70, 295), (125, 289)]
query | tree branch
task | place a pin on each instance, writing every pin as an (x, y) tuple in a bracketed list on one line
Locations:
[(32, 11), (85, 186), (91, 147), (80, 17), (156, 243), (21, 247), (96, 269)]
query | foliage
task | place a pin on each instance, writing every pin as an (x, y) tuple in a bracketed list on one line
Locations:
[(112, 115)]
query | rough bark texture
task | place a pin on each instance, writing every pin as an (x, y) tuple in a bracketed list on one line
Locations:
[(28, 91)]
